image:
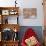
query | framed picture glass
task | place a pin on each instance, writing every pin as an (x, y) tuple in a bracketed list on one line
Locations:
[(5, 12), (29, 13)]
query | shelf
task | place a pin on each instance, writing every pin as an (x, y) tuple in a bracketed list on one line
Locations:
[(11, 26), (11, 41), (7, 16), (7, 12)]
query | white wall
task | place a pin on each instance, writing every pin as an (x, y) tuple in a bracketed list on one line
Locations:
[(38, 21)]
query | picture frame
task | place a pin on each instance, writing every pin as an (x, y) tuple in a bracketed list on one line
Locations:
[(29, 13), (5, 12)]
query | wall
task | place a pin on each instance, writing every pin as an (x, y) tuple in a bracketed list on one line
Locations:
[(38, 21)]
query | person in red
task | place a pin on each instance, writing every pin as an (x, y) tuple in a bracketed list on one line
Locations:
[(30, 38)]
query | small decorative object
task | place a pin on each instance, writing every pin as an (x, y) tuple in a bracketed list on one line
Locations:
[(29, 12), (5, 12), (13, 12)]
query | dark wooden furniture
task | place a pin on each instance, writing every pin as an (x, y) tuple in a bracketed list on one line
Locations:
[(9, 42), (5, 12), (11, 26), (8, 11)]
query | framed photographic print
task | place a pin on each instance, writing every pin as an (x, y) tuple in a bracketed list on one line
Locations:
[(5, 12), (29, 13)]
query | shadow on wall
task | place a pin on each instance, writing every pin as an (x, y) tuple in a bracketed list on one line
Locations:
[(37, 29)]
